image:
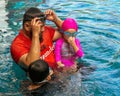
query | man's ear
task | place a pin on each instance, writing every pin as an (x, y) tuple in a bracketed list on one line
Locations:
[(27, 26)]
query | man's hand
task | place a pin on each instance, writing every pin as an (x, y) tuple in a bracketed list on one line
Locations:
[(36, 26), (50, 15)]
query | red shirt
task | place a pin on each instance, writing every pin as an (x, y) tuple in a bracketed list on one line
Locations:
[(22, 44)]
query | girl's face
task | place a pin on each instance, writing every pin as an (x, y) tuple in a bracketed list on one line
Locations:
[(70, 33)]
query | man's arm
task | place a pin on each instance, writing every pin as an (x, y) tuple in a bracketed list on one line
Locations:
[(34, 53), (58, 23), (57, 35), (50, 15)]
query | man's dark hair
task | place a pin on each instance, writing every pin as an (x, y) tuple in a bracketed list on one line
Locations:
[(32, 13), (38, 70)]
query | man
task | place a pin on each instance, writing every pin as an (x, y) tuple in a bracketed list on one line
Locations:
[(35, 39)]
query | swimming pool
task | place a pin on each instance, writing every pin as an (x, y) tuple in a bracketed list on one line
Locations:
[(99, 29)]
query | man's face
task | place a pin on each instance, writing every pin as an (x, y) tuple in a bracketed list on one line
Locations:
[(31, 27)]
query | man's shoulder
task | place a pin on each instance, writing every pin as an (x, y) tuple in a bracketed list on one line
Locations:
[(49, 30), (20, 38), (49, 27)]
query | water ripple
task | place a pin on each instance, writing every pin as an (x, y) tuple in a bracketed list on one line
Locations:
[(99, 29)]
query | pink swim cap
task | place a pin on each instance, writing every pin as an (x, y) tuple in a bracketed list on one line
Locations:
[(69, 23)]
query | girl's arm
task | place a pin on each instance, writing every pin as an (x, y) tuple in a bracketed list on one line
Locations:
[(79, 52), (58, 50), (75, 43), (58, 46)]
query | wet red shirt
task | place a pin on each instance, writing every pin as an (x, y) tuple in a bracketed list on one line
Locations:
[(21, 45)]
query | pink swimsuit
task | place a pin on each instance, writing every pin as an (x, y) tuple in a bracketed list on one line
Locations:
[(65, 53)]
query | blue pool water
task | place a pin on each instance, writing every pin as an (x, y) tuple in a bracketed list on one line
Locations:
[(99, 33)]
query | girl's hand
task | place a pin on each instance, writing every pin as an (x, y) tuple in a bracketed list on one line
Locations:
[(60, 65), (71, 40)]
